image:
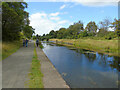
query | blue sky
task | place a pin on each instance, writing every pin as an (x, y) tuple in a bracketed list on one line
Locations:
[(47, 16)]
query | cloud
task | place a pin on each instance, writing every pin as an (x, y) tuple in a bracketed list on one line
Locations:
[(91, 3), (96, 3), (54, 14), (63, 6), (63, 22), (55, 18), (41, 15), (43, 23)]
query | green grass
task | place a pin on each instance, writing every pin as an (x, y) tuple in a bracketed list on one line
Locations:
[(9, 48), (35, 74), (40, 45), (102, 46)]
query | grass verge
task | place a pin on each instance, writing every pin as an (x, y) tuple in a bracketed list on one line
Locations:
[(9, 48), (109, 47), (35, 74), (40, 45)]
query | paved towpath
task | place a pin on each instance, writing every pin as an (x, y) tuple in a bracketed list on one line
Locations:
[(52, 78), (16, 67)]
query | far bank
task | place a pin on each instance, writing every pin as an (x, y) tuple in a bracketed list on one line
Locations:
[(109, 47)]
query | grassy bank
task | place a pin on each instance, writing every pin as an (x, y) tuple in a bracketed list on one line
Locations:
[(102, 46), (9, 48), (40, 45), (35, 74)]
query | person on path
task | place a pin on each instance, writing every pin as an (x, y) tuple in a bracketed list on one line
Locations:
[(23, 42), (26, 42), (37, 42)]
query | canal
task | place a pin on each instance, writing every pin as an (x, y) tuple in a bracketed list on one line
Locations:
[(82, 68)]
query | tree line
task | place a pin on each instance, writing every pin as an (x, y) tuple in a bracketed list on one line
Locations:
[(15, 21), (77, 30)]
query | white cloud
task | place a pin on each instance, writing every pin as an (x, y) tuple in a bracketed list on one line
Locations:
[(63, 6), (96, 3), (63, 22), (55, 18), (54, 14), (41, 15), (91, 3), (43, 23)]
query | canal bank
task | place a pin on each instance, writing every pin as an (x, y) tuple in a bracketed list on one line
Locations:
[(51, 78), (108, 47)]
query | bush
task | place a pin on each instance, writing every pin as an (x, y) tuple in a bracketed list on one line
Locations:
[(91, 34), (110, 35), (83, 34)]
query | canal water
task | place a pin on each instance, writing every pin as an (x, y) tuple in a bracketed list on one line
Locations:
[(82, 68)]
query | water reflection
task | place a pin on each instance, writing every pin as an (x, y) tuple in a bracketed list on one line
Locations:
[(83, 68), (90, 56), (115, 64), (113, 61)]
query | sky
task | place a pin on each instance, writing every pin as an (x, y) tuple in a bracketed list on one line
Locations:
[(53, 15)]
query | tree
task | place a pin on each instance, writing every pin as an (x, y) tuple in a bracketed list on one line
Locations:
[(102, 32), (52, 34), (43, 34), (61, 32), (37, 36), (76, 31), (103, 29), (76, 28), (33, 37), (83, 34), (14, 20), (28, 31), (105, 24), (116, 25), (91, 27)]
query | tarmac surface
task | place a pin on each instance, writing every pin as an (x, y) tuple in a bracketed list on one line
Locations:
[(16, 67)]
